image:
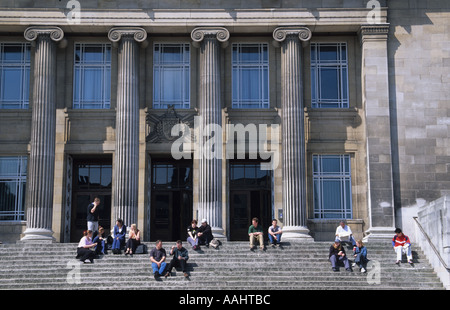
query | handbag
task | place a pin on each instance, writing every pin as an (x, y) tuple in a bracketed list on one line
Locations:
[(141, 249)]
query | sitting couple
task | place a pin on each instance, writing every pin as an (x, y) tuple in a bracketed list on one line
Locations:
[(255, 233)]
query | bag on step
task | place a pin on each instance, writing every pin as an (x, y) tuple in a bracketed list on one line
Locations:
[(215, 243), (141, 249)]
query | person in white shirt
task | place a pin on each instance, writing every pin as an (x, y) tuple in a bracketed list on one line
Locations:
[(344, 234), (83, 249), (275, 233)]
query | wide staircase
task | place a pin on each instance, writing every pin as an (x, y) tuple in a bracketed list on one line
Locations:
[(231, 267)]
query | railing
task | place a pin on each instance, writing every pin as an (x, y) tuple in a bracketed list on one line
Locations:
[(431, 244)]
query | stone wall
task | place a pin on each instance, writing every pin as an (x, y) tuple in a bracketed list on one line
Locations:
[(419, 77), (435, 220)]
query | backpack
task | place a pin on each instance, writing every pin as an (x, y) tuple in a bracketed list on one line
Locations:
[(141, 249), (215, 243)]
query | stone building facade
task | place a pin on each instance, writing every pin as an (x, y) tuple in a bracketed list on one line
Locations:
[(345, 104)]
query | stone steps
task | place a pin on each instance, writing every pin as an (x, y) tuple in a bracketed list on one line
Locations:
[(231, 267)]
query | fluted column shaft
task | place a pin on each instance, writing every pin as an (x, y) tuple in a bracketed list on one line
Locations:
[(126, 162), (293, 136), (39, 199), (210, 112)]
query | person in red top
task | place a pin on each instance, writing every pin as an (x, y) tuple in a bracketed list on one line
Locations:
[(402, 244)]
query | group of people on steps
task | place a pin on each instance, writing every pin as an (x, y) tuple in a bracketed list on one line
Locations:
[(94, 243)]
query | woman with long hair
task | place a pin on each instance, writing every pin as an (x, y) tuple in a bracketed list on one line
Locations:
[(134, 240)]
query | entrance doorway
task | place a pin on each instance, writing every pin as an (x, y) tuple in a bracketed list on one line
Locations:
[(171, 199), (250, 196), (91, 178)]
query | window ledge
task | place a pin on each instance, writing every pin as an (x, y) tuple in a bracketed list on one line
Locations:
[(324, 113)]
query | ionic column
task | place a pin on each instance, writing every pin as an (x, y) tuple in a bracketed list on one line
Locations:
[(375, 94), (210, 114), (293, 136), (126, 161), (43, 129)]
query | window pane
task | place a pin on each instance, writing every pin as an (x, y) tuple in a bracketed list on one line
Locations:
[(171, 76), (14, 75), (93, 54), (332, 186), (106, 179), (11, 83), (94, 176), (12, 188), (92, 76), (92, 85), (249, 54), (171, 79), (172, 54), (329, 83), (328, 53), (331, 165), (83, 176), (331, 195), (12, 53), (250, 76), (329, 76)]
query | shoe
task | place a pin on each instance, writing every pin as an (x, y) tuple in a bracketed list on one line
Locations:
[(397, 262), (349, 270), (167, 274), (335, 269), (156, 275), (354, 264), (363, 270), (185, 274)]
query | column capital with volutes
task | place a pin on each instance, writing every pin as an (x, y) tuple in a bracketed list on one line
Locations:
[(281, 33), (117, 33), (55, 33), (200, 33)]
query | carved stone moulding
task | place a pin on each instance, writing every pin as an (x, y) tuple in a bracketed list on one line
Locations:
[(220, 33), (160, 126), (281, 33), (116, 34), (55, 33)]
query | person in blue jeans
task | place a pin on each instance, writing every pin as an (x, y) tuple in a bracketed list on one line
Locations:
[(337, 256), (158, 257), (120, 230), (100, 240), (360, 254), (275, 233)]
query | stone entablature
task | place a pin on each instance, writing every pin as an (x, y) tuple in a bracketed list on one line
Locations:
[(175, 20)]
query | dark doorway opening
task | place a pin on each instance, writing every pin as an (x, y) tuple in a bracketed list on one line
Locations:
[(92, 177), (171, 199), (250, 196)]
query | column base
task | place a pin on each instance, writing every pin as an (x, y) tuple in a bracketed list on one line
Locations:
[(38, 235), (296, 234), (379, 234)]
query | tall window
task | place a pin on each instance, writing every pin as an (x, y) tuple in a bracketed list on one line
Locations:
[(329, 75), (13, 178), (14, 75), (172, 175), (332, 186), (171, 70), (92, 76), (250, 74)]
